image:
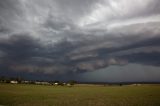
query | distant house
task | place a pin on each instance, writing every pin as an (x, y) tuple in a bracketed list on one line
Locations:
[(14, 82), (69, 85), (37, 82), (42, 83), (45, 83), (136, 84), (56, 83)]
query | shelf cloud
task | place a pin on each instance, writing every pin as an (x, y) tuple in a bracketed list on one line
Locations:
[(55, 37)]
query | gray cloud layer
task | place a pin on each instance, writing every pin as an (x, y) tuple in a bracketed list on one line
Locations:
[(72, 36)]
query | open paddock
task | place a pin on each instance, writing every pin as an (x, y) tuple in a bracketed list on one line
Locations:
[(79, 95)]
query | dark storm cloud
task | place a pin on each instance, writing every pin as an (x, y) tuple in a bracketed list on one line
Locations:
[(17, 49), (141, 52), (152, 58), (25, 53), (73, 36)]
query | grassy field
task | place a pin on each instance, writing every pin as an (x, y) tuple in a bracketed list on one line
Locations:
[(40, 95)]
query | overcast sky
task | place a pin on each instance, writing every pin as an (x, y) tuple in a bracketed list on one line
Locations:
[(85, 40)]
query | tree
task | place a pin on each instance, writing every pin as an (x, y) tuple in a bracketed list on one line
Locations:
[(2, 79), (72, 82)]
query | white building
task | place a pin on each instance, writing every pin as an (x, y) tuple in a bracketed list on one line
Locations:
[(56, 83), (14, 82)]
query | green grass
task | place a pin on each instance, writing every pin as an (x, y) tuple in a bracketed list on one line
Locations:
[(40, 95)]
